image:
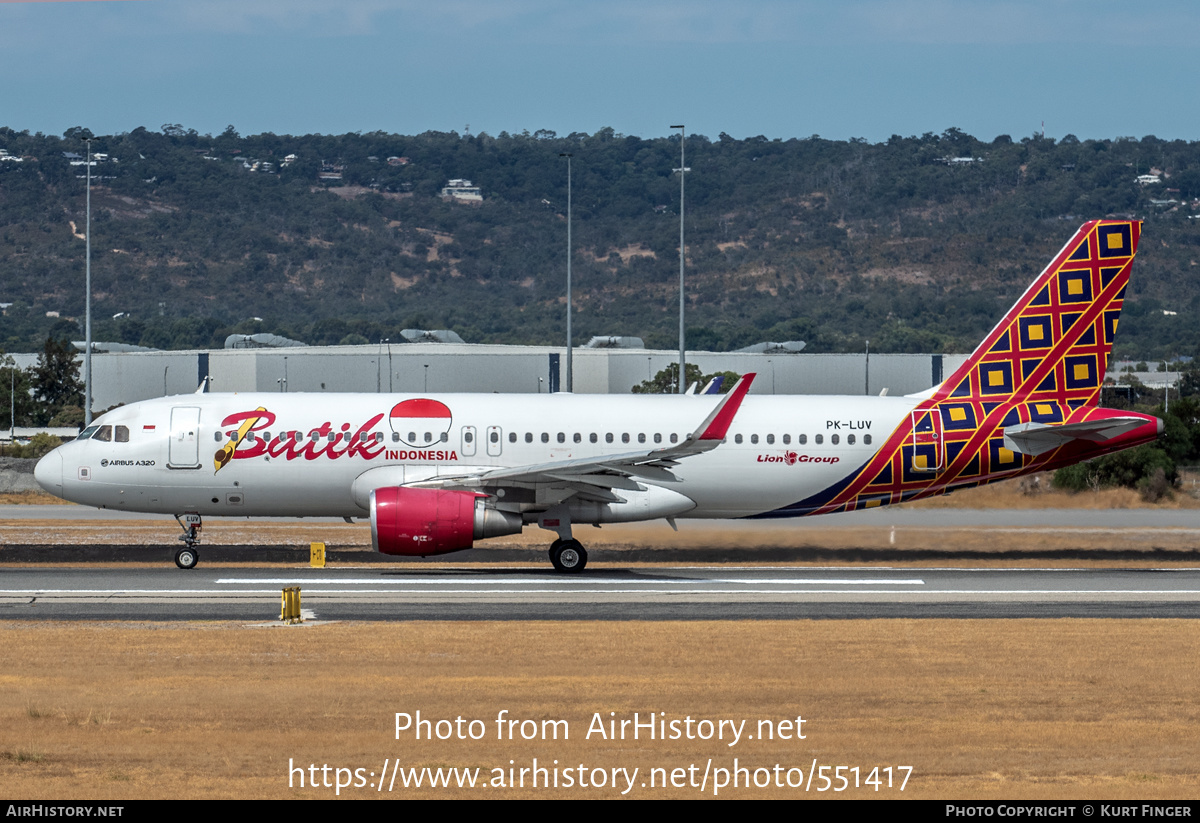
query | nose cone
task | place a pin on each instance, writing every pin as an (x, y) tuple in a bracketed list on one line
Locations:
[(49, 473)]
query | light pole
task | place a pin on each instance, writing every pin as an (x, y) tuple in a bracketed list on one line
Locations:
[(388, 340), (427, 378), (87, 323), (682, 346), (867, 371), (570, 341)]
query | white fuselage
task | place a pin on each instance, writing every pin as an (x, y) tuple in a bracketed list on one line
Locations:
[(779, 450)]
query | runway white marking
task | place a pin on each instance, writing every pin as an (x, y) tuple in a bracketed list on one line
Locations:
[(584, 581), (598, 592)]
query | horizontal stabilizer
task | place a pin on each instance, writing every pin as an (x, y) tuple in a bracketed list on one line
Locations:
[(1036, 438)]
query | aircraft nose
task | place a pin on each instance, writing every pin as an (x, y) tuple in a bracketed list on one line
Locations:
[(49, 473)]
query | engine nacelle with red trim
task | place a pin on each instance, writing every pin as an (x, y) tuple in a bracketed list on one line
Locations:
[(420, 522)]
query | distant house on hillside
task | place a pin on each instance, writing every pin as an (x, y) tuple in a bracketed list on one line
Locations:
[(463, 191)]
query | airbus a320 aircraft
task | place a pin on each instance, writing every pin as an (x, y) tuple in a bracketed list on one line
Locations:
[(436, 473)]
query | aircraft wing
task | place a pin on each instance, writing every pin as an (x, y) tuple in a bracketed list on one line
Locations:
[(1036, 438), (595, 477)]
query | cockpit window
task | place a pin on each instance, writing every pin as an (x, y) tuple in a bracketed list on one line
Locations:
[(87, 433), (103, 433), (122, 434)]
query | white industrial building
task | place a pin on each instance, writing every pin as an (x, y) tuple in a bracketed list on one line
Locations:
[(126, 377)]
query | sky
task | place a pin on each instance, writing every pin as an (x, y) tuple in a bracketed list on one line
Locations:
[(779, 68)]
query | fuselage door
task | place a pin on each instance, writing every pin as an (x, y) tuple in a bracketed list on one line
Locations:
[(184, 451), (927, 449), (468, 441), (494, 441)]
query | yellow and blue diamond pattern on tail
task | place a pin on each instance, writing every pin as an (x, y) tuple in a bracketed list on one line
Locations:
[(1043, 363)]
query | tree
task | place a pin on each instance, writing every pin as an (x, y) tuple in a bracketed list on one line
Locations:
[(16, 402), (56, 382), (666, 381)]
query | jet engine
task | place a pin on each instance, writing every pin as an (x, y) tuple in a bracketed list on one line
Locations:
[(420, 522)]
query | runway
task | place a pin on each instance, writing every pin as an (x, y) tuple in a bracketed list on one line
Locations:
[(657, 593)]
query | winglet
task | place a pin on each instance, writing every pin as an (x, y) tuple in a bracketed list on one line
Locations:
[(717, 424)]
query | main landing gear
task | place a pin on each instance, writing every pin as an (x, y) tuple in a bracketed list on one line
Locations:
[(568, 556), (566, 553), (188, 557)]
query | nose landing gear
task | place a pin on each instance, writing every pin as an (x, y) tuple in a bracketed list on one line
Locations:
[(188, 557)]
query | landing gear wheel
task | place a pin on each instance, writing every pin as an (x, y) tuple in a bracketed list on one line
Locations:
[(187, 558), (568, 556)]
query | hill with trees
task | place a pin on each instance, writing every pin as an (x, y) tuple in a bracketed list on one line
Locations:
[(917, 243)]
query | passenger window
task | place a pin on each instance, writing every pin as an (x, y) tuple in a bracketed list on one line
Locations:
[(867, 439), (468, 437), (819, 439), (592, 437), (494, 437), (608, 438), (296, 437), (412, 437), (249, 435), (545, 437), (562, 438), (833, 439), (657, 438), (429, 437), (802, 439), (217, 436), (445, 438), (850, 439), (578, 437), (787, 438), (512, 437), (754, 438), (737, 438), (379, 437), (770, 439), (333, 437), (625, 438), (104, 433), (528, 437), (674, 438), (641, 438), (395, 437)]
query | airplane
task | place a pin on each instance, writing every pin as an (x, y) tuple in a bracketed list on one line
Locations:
[(436, 472)]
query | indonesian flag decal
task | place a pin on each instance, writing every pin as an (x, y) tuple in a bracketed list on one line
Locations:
[(414, 419)]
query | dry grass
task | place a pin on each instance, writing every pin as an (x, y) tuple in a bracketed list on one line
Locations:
[(979, 709), (32, 498), (1020, 494)]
